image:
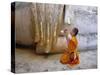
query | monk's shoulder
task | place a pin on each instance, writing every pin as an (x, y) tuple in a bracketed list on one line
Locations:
[(74, 39)]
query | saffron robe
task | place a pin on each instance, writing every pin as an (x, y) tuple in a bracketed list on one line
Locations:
[(72, 48)]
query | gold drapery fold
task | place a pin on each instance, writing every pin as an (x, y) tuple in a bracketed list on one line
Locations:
[(47, 20)]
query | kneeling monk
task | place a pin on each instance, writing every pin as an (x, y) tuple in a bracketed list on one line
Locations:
[(71, 55)]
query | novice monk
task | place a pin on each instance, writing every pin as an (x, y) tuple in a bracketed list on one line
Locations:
[(71, 56)]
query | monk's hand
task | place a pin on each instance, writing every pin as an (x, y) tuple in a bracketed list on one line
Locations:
[(65, 30)]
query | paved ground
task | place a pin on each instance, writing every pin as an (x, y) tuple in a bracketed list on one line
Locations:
[(27, 61)]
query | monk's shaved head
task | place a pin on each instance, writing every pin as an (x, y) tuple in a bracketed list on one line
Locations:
[(75, 31)]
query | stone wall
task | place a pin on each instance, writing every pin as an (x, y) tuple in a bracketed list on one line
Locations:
[(23, 25), (85, 19)]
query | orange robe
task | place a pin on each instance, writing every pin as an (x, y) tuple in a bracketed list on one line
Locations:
[(72, 48)]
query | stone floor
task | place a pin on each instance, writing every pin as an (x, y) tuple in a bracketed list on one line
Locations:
[(28, 61)]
